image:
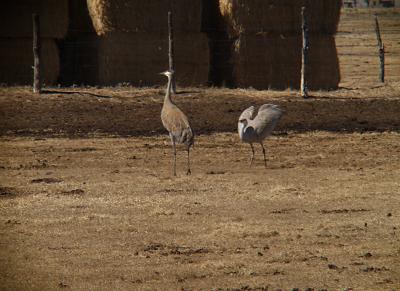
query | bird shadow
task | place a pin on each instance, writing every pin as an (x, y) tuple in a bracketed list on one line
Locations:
[(187, 92), (347, 88), (74, 92)]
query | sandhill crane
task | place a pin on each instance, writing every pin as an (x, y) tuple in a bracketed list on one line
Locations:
[(255, 128), (177, 124)]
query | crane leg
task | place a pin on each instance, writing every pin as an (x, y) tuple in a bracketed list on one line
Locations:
[(174, 152), (265, 159), (252, 155), (188, 162)]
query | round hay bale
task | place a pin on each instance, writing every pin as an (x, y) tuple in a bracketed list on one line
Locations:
[(144, 16), (16, 18), (16, 61), (277, 17)]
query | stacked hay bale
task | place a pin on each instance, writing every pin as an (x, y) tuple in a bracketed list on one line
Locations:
[(266, 51), (16, 56), (133, 41)]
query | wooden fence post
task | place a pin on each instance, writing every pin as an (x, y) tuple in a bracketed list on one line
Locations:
[(37, 84), (381, 48), (304, 55), (171, 50)]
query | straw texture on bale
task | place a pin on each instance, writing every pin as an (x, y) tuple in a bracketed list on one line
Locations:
[(276, 17), (144, 16), (16, 61), (16, 18), (138, 58), (264, 62)]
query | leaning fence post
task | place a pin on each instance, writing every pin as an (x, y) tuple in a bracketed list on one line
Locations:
[(37, 86), (304, 55), (381, 48), (171, 49)]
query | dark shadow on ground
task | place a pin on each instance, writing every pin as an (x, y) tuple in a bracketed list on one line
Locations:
[(74, 92)]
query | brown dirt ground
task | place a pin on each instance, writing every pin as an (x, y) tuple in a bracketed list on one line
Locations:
[(105, 214)]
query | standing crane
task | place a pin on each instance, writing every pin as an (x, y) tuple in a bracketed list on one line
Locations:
[(255, 128), (177, 124)]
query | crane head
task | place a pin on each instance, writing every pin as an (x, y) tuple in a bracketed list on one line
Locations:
[(243, 120), (167, 73)]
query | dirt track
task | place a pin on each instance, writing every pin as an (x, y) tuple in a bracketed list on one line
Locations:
[(131, 111), (105, 214)]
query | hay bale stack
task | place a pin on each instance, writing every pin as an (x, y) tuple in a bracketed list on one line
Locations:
[(16, 61), (16, 18), (262, 62), (133, 41), (139, 58), (267, 43), (277, 17), (144, 16)]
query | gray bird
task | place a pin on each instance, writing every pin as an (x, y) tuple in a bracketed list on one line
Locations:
[(255, 128), (177, 124)]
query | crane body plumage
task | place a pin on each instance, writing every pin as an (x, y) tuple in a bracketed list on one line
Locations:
[(177, 124), (255, 128)]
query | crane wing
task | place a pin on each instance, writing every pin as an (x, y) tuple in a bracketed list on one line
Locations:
[(267, 118), (248, 113), (270, 107)]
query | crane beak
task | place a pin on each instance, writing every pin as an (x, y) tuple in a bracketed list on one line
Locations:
[(167, 72)]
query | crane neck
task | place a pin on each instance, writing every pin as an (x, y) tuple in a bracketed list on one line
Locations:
[(245, 131), (241, 128), (167, 98)]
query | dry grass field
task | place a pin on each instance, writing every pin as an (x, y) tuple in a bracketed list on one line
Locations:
[(357, 46), (88, 202), (106, 214)]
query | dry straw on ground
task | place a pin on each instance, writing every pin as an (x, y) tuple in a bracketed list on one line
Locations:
[(265, 62), (357, 45), (284, 16), (138, 58), (16, 59), (16, 18), (144, 16)]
